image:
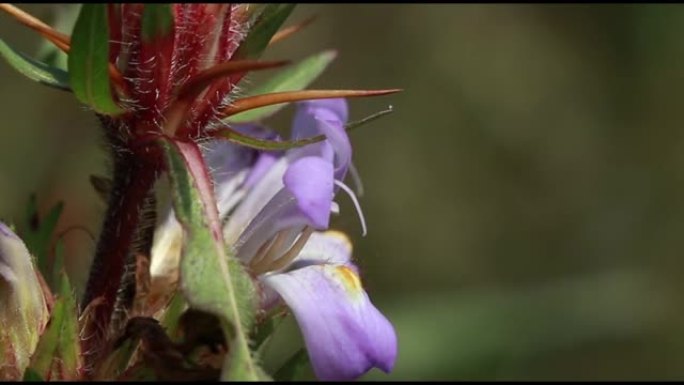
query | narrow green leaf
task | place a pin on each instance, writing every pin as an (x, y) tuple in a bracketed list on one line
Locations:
[(294, 78), (211, 280), (69, 347), (267, 23), (157, 21), (89, 60), (58, 356), (34, 69), (41, 361)]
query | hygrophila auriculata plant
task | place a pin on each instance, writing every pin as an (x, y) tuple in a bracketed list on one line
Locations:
[(215, 225)]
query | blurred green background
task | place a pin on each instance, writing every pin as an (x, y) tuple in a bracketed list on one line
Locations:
[(525, 200)]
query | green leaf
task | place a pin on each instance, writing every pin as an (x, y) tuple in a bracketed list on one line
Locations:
[(157, 21), (58, 355), (34, 69), (89, 60), (211, 279), (293, 78), (267, 23)]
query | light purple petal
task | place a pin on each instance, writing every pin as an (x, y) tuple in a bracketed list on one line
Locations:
[(264, 162), (228, 165), (253, 203), (339, 140), (265, 179), (344, 333), (326, 117), (310, 180)]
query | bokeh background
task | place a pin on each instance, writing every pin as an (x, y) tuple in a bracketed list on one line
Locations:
[(525, 200)]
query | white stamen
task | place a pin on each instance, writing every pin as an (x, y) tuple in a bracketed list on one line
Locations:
[(356, 205)]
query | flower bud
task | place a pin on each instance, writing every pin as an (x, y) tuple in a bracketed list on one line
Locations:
[(23, 310)]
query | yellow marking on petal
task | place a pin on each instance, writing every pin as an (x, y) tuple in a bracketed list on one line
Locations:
[(351, 281)]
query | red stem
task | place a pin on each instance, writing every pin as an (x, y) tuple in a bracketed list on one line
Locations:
[(133, 179)]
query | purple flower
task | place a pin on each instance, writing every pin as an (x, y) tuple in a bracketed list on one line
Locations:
[(276, 208), (273, 232), (344, 333)]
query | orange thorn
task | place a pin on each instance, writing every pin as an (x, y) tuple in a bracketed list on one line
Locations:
[(59, 39), (257, 101), (289, 31)]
